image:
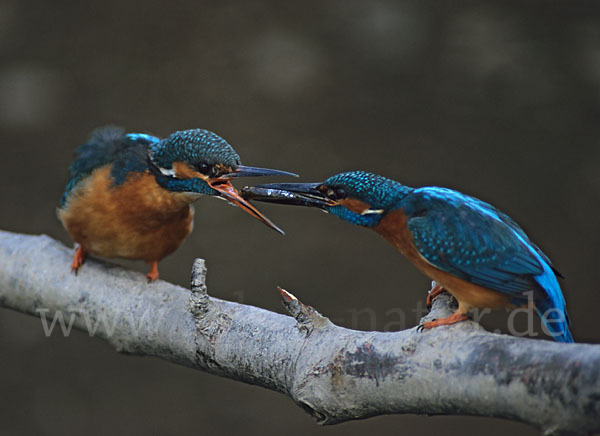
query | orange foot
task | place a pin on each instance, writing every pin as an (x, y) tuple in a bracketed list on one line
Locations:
[(153, 274), (78, 259), (437, 290), (452, 319)]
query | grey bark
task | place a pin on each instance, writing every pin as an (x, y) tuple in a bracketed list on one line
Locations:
[(334, 373)]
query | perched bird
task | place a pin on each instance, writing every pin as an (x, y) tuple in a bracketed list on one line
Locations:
[(470, 248), (130, 195)]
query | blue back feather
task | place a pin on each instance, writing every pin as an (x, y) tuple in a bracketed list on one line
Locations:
[(109, 145), (474, 241)]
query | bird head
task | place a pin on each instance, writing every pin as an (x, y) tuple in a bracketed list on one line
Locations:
[(358, 197), (201, 162)]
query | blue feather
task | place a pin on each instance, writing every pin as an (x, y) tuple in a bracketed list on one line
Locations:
[(100, 150), (142, 138), (194, 146), (109, 145), (474, 241), (553, 310)]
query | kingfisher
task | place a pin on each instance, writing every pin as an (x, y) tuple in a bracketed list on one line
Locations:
[(468, 247), (130, 195)]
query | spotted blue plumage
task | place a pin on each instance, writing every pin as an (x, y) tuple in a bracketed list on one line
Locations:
[(372, 188), (376, 190), (353, 217), (106, 145), (465, 237), (198, 186), (194, 146), (472, 240)]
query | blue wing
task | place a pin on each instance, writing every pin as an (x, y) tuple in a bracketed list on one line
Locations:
[(109, 145), (472, 240), (467, 238)]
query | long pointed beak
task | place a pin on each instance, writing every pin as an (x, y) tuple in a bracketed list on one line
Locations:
[(244, 171), (228, 192), (297, 194)]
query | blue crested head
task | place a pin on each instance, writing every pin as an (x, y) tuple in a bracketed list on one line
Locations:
[(362, 198), (358, 197), (198, 148), (201, 162), (190, 160)]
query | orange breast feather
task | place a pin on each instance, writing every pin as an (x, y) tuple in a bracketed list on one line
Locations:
[(136, 220)]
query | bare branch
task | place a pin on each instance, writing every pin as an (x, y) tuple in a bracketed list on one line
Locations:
[(336, 374)]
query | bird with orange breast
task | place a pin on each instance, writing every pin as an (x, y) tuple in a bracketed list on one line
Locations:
[(471, 249), (130, 195)]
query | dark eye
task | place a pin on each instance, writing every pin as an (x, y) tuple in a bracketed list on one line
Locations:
[(205, 168), (336, 193), (340, 193)]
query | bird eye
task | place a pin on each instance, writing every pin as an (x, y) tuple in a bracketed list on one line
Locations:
[(205, 168), (336, 193), (340, 193)]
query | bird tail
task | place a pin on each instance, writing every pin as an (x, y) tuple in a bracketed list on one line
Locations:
[(556, 321), (552, 308)]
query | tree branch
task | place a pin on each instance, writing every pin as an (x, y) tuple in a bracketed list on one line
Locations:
[(335, 374)]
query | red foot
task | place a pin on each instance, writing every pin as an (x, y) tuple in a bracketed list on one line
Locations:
[(437, 290), (452, 319), (153, 274), (78, 259)]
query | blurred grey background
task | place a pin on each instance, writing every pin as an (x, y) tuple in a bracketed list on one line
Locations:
[(496, 99)]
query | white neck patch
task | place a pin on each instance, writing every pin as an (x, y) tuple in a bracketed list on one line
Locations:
[(372, 211), (164, 171)]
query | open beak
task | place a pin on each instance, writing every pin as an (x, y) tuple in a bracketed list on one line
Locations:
[(244, 171), (297, 194), (228, 192)]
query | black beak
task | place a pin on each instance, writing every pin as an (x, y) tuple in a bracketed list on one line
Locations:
[(297, 194), (244, 171)]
